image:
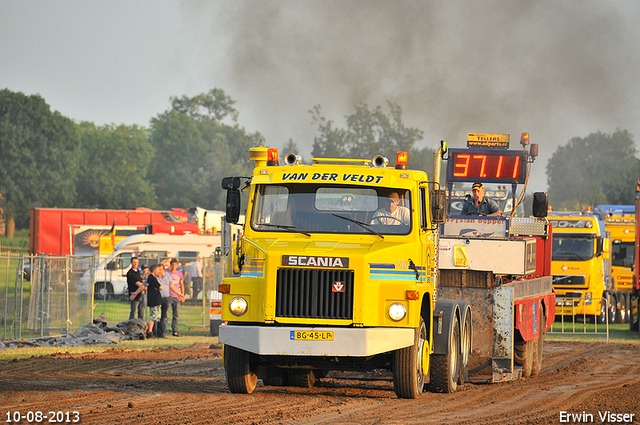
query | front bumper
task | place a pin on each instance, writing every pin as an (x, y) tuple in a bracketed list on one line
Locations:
[(347, 342)]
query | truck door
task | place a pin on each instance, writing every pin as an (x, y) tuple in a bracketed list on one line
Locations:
[(426, 235)]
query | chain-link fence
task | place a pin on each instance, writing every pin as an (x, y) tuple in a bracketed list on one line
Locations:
[(572, 318), (47, 295)]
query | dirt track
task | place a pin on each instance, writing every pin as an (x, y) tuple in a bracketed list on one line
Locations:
[(187, 386)]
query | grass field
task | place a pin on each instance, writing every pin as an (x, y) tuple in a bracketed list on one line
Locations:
[(618, 332)]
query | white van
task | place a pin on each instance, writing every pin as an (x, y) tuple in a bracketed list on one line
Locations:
[(110, 278)]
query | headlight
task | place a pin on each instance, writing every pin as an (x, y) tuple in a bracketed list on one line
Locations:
[(397, 312), (238, 306), (587, 297)]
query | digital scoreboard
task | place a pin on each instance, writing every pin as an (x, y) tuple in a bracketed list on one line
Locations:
[(487, 166)]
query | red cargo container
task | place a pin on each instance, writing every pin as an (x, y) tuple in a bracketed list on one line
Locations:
[(52, 229)]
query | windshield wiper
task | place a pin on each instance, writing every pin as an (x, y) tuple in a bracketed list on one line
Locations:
[(291, 229), (569, 256), (365, 226)]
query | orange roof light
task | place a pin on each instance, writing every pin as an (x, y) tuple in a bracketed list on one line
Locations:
[(272, 156), (401, 160), (412, 295)]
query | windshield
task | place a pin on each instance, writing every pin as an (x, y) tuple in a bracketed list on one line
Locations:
[(305, 208), (460, 192), (572, 247), (622, 254)]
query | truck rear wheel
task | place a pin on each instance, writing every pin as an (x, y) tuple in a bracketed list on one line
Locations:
[(445, 367), (275, 376), (465, 352), (523, 354), (304, 378), (241, 379), (537, 352), (411, 364)]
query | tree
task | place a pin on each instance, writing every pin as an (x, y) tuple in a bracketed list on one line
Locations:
[(193, 150), (113, 170), (601, 168), (368, 133), (39, 160)]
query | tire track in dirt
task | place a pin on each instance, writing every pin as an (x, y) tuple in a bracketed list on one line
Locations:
[(188, 386)]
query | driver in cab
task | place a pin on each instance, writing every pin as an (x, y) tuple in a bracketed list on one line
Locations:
[(392, 212), (479, 204)]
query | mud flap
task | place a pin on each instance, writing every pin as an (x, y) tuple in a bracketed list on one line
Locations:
[(502, 359), (443, 316)]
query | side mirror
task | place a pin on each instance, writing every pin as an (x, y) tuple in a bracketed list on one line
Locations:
[(231, 184), (438, 206), (113, 265), (540, 204)]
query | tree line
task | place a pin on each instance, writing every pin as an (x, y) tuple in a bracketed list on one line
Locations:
[(49, 160)]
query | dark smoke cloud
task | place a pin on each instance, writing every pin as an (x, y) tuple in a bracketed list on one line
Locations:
[(554, 69)]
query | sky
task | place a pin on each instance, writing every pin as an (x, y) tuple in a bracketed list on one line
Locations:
[(556, 70)]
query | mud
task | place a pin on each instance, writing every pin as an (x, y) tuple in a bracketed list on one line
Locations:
[(187, 386)]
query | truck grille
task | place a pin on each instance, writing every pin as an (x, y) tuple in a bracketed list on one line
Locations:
[(568, 280), (309, 293)]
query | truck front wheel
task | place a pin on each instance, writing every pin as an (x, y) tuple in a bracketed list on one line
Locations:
[(103, 290), (410, 365), (446, 367), (241, 379)]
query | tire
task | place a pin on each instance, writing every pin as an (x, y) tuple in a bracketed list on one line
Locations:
[(275, 376), (409, 366), (602, 317), (538, 346), (622, 311), (634, 323), (241, 379), (523, 355), (103, 290), (445, 367), (613, 309), (465, 350), (304, 378)]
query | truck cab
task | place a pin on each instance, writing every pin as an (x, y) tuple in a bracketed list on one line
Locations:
[(580, 266), (620, 223), (338, 268)]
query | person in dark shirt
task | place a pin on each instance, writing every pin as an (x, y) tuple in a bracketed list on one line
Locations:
[(136, 289), (479, 204), (154, 298)]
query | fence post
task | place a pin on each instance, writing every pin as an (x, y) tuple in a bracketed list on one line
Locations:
[(6, 296), (66, 294), (92, 286)]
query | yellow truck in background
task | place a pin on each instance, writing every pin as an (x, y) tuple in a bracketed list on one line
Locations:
[(620, 223), (580, 266)]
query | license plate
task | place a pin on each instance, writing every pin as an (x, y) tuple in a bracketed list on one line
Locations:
[(311, 335)]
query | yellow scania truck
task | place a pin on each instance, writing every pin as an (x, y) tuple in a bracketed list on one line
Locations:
[(580, 266), (620, 223), (339, 270)]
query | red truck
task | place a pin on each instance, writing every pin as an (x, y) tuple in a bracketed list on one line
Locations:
[(59, 231)]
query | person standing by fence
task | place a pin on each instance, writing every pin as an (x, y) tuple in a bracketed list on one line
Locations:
[(165, 282), (195, 271), (154, 298), (136, 289), (176, 294)]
